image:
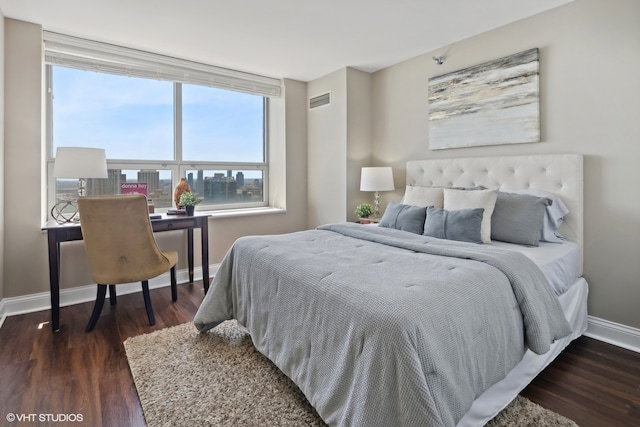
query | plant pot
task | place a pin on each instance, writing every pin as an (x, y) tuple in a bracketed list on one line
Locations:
[(190, 210), (368, 220)]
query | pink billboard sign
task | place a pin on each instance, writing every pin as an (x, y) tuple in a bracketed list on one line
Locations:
[(133, 188)]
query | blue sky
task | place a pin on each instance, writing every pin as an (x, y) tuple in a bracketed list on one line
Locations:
[(133, 118)]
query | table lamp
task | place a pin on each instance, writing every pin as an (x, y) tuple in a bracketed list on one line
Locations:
[(376, 179), (80, 163)]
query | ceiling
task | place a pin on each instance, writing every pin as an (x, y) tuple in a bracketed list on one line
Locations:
[(297, 39)]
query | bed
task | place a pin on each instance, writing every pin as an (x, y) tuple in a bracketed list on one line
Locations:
[(384, 326)]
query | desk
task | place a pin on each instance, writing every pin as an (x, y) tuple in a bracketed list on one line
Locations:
[(58, 233)]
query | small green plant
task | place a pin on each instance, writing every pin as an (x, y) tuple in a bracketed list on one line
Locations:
[(189, 199), (364, 210)]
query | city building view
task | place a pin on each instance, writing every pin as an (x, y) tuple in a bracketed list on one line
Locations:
[(213, 187)]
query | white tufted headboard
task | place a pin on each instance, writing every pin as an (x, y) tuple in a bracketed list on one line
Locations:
[(561, 174)]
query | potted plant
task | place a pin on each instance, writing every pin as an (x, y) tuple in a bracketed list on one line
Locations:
[(189, 200), (365, 210)]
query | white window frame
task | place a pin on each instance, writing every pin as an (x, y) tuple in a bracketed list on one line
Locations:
[(88, 55)]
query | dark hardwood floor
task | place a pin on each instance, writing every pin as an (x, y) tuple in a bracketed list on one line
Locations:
[(72, 372), (593, 383)]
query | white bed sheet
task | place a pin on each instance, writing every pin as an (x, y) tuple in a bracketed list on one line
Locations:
[(560, 262), (498, 396)]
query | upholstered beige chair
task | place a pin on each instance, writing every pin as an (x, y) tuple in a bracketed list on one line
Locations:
[(121, 248)]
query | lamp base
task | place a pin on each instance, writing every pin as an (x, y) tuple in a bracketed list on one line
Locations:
[(66, 211), (376, 205)]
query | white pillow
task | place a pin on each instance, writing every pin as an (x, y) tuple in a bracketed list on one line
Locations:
[(471, 199), (423, 196)]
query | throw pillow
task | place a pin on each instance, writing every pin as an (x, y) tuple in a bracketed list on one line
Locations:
[(461, 199), (464, 225), (404, 217)]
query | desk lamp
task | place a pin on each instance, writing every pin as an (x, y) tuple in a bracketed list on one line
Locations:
[(80, 163)]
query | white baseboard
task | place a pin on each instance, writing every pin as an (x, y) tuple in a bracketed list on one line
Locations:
[(613, 333), (42, 301)]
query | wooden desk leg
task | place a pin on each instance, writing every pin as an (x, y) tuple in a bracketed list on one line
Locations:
[(205, 254), (190, 253), (54, 279)]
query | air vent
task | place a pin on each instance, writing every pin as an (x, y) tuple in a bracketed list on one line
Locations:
[(320, 100)]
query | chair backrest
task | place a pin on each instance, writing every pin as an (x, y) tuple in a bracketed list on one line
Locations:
[(119, 240)]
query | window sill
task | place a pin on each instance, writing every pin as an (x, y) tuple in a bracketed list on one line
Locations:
[(234, 213)]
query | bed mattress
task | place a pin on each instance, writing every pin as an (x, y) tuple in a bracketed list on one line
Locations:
[(560, 262)]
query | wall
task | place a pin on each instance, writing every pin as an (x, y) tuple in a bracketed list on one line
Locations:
[(339, 144), (359, 103), (590, 104), (327, 150), (26, 263)]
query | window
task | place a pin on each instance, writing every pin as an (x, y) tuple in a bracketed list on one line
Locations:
[(157, 125), (228, 126)]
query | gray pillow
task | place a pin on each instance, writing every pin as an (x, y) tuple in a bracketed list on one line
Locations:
[(404, 217), (518, 218), (463, 225), (556, 211)]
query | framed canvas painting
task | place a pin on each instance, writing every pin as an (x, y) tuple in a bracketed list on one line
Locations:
[(493, 103)]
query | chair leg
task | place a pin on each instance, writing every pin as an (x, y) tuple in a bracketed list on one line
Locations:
[(97, 308), (174, 286), (112, 295), (147, 302)]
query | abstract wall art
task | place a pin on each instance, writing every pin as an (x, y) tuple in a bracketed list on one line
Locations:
[(497, 102)]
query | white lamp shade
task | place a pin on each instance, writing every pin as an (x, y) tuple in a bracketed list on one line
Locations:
[(376, 179), (80, 162)]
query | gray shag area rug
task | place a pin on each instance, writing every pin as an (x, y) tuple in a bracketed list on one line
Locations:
[(184, 378)]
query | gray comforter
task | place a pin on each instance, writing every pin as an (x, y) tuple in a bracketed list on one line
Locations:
[(380, 327)]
